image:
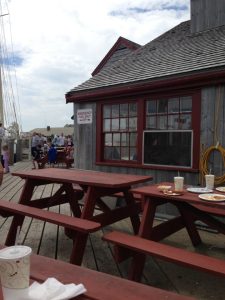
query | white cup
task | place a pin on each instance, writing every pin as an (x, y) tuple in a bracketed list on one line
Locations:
[(15, 267), (178, 184), (209, 181)]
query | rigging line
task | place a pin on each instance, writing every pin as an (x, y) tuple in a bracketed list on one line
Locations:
[(8, 78), (7, 74), (18, 102)]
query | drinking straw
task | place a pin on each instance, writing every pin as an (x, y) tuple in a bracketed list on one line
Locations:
[(178, 173), (17, 236)]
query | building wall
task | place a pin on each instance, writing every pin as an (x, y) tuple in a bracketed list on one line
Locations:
[(206, 14)]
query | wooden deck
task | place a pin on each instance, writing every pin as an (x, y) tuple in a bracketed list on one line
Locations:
[(50, 240)]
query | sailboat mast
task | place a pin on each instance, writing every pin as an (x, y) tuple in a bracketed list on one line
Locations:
[(1, 100)]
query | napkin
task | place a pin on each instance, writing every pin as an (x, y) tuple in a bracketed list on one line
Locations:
[(51, 289)]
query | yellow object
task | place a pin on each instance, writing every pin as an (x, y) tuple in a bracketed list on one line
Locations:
[(204, 162)]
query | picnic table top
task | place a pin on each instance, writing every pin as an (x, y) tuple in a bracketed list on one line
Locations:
[(99, 285), (190, 197), (85, 177)]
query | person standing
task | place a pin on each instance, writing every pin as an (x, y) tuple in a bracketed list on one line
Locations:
[(5, 158), (61, 142), (35, 141)]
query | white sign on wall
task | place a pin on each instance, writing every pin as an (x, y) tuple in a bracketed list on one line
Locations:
[(84, 116)]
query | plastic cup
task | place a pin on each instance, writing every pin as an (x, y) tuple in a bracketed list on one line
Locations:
[(15, 267), (178, 184), (209, 181)]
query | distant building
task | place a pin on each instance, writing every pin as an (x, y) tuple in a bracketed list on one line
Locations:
[(51, 131)]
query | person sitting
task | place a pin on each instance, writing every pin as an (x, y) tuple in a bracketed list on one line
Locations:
[(37, 157)]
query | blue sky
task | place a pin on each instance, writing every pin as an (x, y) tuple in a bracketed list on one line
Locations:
[(57, 44)]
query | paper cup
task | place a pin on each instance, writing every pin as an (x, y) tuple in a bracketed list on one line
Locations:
[(178, 184), (15, 267), (209, 181)]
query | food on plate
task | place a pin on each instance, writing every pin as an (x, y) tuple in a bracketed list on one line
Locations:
[(164, 187), (212, 197), (221, 188)]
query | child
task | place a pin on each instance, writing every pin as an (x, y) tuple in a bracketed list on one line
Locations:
[(5, 158), (52, 153)]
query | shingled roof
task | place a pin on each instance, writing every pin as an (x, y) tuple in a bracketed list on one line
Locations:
[(176, 52)]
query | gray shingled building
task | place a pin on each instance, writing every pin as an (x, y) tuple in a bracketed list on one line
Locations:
[(156, 108)]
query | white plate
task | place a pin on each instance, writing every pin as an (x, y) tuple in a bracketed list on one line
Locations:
[(221, 189), (199, 190), (212, 197)]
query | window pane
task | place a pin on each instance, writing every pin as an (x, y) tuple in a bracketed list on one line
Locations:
[(173, 122), (116, 153), (151, 107), (112, 153), (125, 153), (115, 124), (132, 124), (115, 111), (162, 106), (106, 124), (185, 104), (133, 109), (116, 139), (107, 111), (124, 110), (151, 122), (168, 148), (185, 121), (133, 154), (123, 124), (125, 139), (133, 139), (173, 105), (162, 122), (108, 139)]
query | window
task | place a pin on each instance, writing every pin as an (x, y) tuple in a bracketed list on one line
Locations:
[(120, 131), (173, 113), (126, 131), (169, 138), (169, 147)]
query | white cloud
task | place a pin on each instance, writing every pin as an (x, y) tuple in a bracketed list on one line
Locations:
[(61, 43)]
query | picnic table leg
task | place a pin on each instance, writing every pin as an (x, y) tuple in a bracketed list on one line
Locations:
[(80, 239), (189, 221), (145, 230), (18, 220), (135, 220)]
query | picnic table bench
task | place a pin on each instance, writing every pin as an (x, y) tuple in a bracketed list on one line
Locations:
[(168, 253), (8, 209)]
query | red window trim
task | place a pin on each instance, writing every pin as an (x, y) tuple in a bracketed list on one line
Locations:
[(196, 118)]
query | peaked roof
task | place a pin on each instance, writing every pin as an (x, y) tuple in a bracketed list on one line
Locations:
[(120, 49), (175, 53)]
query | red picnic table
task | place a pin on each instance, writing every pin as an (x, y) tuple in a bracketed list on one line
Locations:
[(191, 209), (94, 185)]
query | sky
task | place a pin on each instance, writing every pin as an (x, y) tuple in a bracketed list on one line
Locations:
[(54, 45)]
